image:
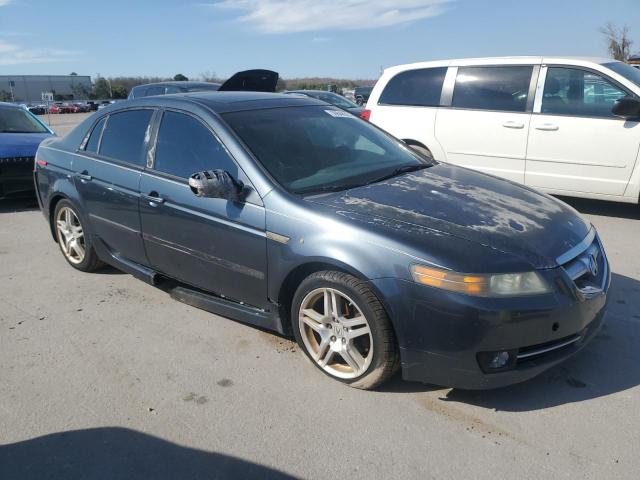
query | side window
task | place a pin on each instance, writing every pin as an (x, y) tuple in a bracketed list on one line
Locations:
[(124, 136), (154, 91), (570, 91), (94, 139), (493, 88), (172, 89), (185, 146), (421, 87)]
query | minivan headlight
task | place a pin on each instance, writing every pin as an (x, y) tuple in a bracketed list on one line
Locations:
[(483, 285)]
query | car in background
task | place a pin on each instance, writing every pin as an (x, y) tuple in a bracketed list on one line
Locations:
[(293, 215), (59, 107), (20, 134), (105, 104), (93, 106), (361, 94), (254, 80), (37, 109), (331, 98), (567, 126)]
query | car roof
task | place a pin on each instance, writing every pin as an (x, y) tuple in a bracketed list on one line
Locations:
[(223, 102), (10, 105), (187, 84)]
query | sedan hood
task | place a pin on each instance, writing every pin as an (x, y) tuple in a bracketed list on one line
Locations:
[(473, 206), (20, 144)]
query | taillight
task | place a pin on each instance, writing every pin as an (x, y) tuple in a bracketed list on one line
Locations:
[(365, 115)]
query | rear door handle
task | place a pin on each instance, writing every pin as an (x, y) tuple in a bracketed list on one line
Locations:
[(513, 125), (84, 176), (153, 198), (547, 127)]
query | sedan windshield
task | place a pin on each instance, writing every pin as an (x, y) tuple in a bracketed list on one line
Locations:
[(17, 120), (627, 71), (315, 149)]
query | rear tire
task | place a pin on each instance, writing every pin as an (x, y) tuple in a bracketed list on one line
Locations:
[(73, 238), (344, 330)]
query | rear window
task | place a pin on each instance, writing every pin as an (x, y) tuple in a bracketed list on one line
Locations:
[(493, 88), (421, 87), (124, 136), (94, 139)]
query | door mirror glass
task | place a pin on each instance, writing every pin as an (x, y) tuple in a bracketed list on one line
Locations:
[(216, 184), (627, 108)]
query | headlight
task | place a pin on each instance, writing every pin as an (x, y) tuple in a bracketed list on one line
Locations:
[(491, 285)]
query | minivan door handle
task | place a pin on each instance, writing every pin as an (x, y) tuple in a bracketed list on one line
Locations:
[(153, 198), (512, 124), (547, 127), (84, 176)]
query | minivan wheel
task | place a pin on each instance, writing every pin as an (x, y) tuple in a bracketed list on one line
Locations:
[(343, 328), (73, 239)]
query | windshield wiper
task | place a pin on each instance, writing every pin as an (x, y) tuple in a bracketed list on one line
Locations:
[(329, 188), (399, 171)]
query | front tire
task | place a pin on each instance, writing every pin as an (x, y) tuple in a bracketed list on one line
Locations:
[(73, 239), (344, 330)]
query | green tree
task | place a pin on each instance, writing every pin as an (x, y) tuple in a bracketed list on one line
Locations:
[(5, 96), (73, 74), (180, 78), (119, 91), (618, 41), (101, 88)]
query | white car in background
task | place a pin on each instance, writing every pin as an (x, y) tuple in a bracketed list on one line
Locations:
[(567, 126)]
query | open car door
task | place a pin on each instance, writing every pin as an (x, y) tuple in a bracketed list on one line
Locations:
[(251, 81)]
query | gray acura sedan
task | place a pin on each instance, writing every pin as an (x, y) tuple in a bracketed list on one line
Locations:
[(293, 215)]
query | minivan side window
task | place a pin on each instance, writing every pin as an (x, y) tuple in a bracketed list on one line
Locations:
[(571, 91), (94, 139), (124, 136), (154, 91), (421, 87), (186, 146), (493, 88)]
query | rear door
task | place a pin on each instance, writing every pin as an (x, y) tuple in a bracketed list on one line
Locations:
[(210, 243), (486, 125), (576, 144), (107, 178)]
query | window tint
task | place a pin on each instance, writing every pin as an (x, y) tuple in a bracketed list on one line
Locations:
[(415, 87), (94, 139), (185, 146), (124, 135), (493, 88), (569, 91)]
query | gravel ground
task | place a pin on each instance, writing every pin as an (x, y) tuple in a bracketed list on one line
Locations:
[(103, 376)]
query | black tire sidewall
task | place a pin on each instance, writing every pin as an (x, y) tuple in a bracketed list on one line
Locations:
[(89, 256), (319, 280)]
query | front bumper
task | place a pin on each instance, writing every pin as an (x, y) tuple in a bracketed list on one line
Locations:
[(16, 177), (444, 335)]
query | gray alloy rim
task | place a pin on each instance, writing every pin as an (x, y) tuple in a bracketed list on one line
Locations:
[(335, 333), (70, 235)]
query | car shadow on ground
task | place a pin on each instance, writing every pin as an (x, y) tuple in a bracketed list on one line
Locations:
[(18, 205), (606, 209), (119, 453), (609, 364)]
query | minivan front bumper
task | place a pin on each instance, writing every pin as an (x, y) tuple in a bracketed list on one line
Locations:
[(448, 338)]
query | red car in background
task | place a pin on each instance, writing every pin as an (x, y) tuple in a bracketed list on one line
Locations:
[(59, 107)]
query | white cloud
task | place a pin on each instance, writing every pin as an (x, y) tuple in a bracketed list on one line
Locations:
[(5, 2), (11, 54), (286, 16)]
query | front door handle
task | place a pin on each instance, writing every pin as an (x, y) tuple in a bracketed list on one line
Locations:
[(512, 124), (153, 198), (547, 127), (84, 176)]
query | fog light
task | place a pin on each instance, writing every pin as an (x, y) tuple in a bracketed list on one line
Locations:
[(499, 360)]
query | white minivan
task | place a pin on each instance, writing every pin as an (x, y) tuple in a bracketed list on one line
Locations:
[(567, 126)]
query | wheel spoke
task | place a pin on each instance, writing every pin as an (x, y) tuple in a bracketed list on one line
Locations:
[(313, 319), (356, 321), (324, 353), (358, 332), (353, 357)]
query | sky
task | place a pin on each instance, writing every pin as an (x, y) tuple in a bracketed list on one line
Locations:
[(297, 38)]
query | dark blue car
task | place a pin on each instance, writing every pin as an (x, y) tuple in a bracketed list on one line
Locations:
[(293, 215), (20, 134)]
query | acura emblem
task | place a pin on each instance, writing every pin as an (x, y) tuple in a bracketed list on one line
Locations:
[(592, 264)]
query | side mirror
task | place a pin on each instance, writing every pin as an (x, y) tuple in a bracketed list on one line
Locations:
[(216, 184), (627, 108)]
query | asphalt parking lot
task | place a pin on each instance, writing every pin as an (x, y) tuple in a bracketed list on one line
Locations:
[(103, 376)]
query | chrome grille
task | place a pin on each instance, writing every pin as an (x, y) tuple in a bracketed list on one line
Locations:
[(586, 264), (16, 160)]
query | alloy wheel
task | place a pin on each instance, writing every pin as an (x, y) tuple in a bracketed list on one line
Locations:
[(70, 235), (336, 333)]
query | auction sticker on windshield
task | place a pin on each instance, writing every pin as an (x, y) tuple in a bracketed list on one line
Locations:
[(340, 114)]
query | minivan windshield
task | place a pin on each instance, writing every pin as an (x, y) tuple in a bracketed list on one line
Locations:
[(313, 149), (17, 120), (627, 71)]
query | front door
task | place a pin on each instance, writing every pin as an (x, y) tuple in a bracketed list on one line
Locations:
[(486, 126), (211, 243), (575, 143), (107, 175)]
